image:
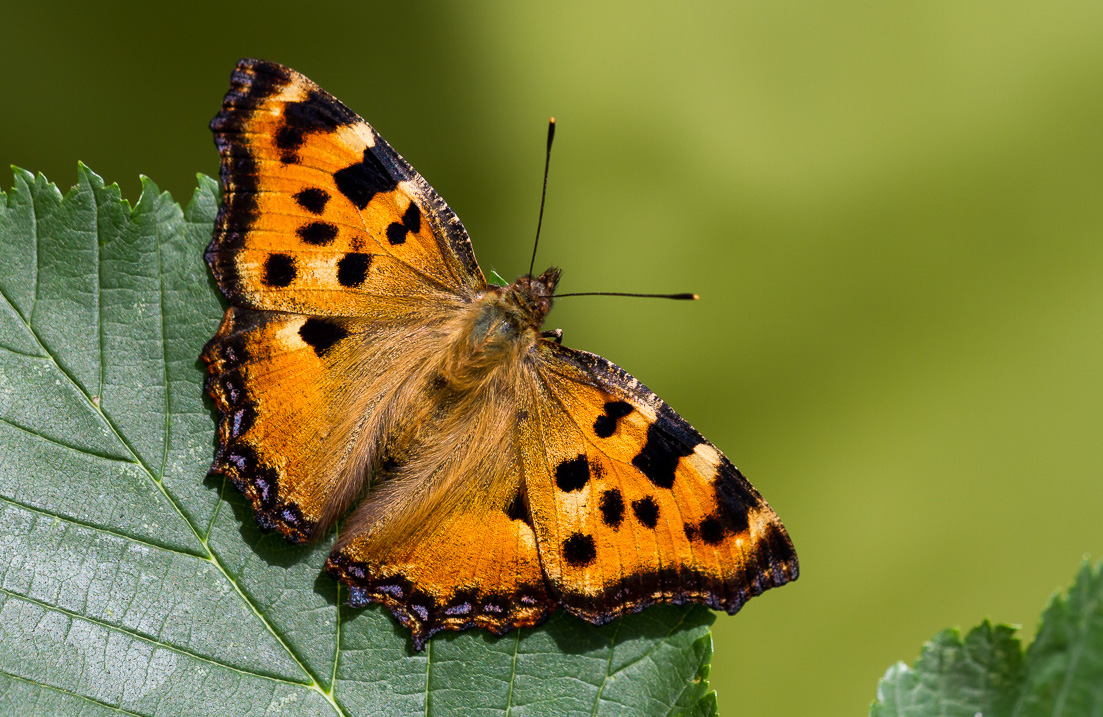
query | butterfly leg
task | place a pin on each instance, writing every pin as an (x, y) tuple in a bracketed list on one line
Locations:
[(555, 335)]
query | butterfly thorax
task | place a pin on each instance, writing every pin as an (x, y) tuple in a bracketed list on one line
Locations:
[(501, 325)]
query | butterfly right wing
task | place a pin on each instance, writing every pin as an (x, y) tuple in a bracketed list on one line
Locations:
[(631, 506)]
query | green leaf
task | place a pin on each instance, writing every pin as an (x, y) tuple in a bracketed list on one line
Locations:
[(130, 584), (987, 673)]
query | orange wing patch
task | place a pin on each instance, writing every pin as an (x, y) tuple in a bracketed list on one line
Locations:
[(475, 568), (632, 506), (272, 446), (294, 395), (320, 216)]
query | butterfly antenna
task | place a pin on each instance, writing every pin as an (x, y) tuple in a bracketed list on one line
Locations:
[(543, 193), (680, 297)]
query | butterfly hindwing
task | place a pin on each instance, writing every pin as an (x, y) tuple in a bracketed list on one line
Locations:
[(319, 214), (470, 567), (446, 542), (631, 506)]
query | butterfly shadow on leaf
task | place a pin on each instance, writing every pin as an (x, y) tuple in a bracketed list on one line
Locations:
[(573, 635), (270, 547)]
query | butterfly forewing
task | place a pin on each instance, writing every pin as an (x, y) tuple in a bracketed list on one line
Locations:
[(319, 215), (341, 262)]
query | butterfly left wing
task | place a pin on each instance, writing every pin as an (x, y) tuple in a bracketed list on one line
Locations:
[(632, 506), (341, 265)]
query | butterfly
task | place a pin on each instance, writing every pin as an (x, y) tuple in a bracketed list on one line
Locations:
[(482, 473)]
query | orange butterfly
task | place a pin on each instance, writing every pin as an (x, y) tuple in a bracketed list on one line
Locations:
[(365, 363)]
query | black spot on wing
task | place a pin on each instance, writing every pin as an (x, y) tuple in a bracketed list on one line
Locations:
[(288, 138), (658, 459), (516, 510), (734, 497), (396, 234), (360, 182), (578, 550), (573, 473), (612, 508), (312, 199), (317, 233), (410, 224), (321, 334), (647, 511), (279, 270), (411, 218), (606, 424), (352, 269), (734, 501), (712, 530)]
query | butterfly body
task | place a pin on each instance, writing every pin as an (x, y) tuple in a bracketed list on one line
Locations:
[(483, 474)]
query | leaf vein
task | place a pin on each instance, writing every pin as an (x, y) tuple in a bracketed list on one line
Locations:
[(513, 671), (63, 691), (61, 444), (211, 555), (98, 528), (29, 319), (164, 357), (150, 640), (99, 291)]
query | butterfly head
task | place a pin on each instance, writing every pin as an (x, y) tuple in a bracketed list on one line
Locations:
[(531, 296)]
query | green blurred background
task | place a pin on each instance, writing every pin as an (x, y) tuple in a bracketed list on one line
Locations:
[(893, 213)]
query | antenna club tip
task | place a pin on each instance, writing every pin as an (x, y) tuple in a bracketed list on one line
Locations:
[(694, 297), (551, 120)]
